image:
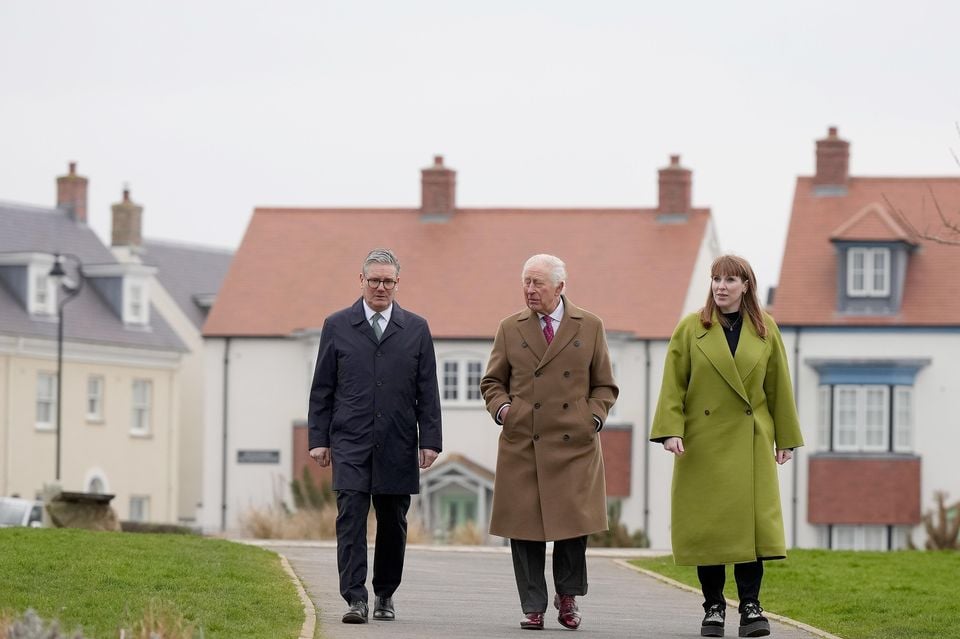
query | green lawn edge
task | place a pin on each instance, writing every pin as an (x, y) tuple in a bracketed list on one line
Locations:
[(102, 581), (855, 595)]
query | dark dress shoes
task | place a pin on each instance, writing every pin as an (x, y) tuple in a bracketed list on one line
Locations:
[(383, 609), (569, 616), (357, 613), (532, 621)]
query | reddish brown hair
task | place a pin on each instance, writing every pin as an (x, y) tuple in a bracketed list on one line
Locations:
[(749, 303)]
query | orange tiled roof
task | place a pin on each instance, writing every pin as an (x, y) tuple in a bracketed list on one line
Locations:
[(296, 266), (807, 292)]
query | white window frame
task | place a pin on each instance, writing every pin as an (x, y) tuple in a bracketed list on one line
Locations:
[(141, 408), (824, 397), (903, 418), (457, 388), (865, 537), (876, 266), (139, 508), (136, 300), (94, 407), (41, 291), (47, 398), (860, 393)]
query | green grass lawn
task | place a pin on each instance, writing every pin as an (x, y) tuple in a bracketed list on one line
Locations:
[(856, 595), (105, 581)]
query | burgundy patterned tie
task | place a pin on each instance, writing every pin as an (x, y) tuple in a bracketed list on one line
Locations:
[(548, 328)]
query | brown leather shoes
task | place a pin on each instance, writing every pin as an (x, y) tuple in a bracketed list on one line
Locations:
[(532, 621), (569, 616)]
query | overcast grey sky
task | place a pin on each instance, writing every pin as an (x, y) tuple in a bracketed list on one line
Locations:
[(210, 108)]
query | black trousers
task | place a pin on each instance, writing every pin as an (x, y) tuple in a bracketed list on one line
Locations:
[(352, 510), (748, 577), (569, 570)]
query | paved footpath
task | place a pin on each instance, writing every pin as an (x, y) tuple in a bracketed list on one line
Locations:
[(471, 594)]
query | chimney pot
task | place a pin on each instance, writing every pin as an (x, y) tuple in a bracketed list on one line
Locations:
[(676, 185), (833, 160), (127, 222), (438, 189), (72, 194)]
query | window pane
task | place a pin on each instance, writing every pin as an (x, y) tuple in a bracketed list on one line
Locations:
[(844, 537), (142, 389), (846, 418), (451, 379), (823, 418), (875, 420), (903, 419), (474, 374), (874, 538)]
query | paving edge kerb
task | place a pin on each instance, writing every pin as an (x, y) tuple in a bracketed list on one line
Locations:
[(730, 602), (309, 610)]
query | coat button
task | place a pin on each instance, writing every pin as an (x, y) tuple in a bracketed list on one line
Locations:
[(536, 437), (379, 354), (576, 342), (566, 438), (524, 344), (706, 412), (566, 406), (379, 383), (378, 413), (566, 373), (749, 412), (537, 405), (537, 374)]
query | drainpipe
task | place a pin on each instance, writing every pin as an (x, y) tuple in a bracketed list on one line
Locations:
[(646, 440), (796, 461), (223, 469)]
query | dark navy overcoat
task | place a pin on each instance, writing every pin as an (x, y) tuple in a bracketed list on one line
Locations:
[(375, 404)]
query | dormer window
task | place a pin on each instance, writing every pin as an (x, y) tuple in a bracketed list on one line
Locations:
[(868, 272), (126, 289), (42, 295), (135, 311)]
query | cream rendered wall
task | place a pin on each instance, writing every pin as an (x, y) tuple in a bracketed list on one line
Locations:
[(6, 419), (128, 464), (191, 413), (936, 426)]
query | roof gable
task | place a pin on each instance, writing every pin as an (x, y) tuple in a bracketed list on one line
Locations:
[(872, 223)]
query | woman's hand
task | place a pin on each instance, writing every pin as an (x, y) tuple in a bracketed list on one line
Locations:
[(784, 455), (673, 445)]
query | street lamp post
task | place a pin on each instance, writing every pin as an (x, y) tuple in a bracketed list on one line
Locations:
[(70, 291)]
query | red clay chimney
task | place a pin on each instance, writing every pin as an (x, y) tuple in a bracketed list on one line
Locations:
[(438, 189), (833, 160), (675, 187), (72, 194), (127, 221)]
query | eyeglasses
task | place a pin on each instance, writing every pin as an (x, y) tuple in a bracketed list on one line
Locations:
[(387, 284)]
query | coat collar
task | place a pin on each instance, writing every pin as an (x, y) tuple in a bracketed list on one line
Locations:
[(359, 320), (734, 370), (529, 325)]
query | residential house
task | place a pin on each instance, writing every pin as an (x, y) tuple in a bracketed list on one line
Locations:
[(639, 269), (870, 315), (119, 412), (183, 285)]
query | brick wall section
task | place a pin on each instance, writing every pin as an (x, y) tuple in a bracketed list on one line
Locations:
[(864, 490), (72, 194), (301, 458), (617, 444)]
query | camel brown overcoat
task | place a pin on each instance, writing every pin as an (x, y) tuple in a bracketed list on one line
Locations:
[(732, 413), (550, 479)]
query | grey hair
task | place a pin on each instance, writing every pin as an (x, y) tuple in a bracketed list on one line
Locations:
[(555, 266), (381, 256)]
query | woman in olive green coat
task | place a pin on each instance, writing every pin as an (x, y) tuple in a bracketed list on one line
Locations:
[(726, 411)]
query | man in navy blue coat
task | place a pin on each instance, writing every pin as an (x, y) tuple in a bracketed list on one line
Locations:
[(375, 414)]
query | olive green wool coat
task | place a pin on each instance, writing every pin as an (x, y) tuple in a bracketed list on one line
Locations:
[(732, 413), (550, 479)]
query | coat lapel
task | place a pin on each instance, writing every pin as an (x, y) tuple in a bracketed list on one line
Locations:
[(359, 321), (569, 327), (397, 318), (529, 327), (713, 344), (750, 349)]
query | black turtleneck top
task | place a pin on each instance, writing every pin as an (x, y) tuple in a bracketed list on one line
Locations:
[(732, 330)]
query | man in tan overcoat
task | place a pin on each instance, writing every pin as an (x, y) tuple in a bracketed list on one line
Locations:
[(549, 384)]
